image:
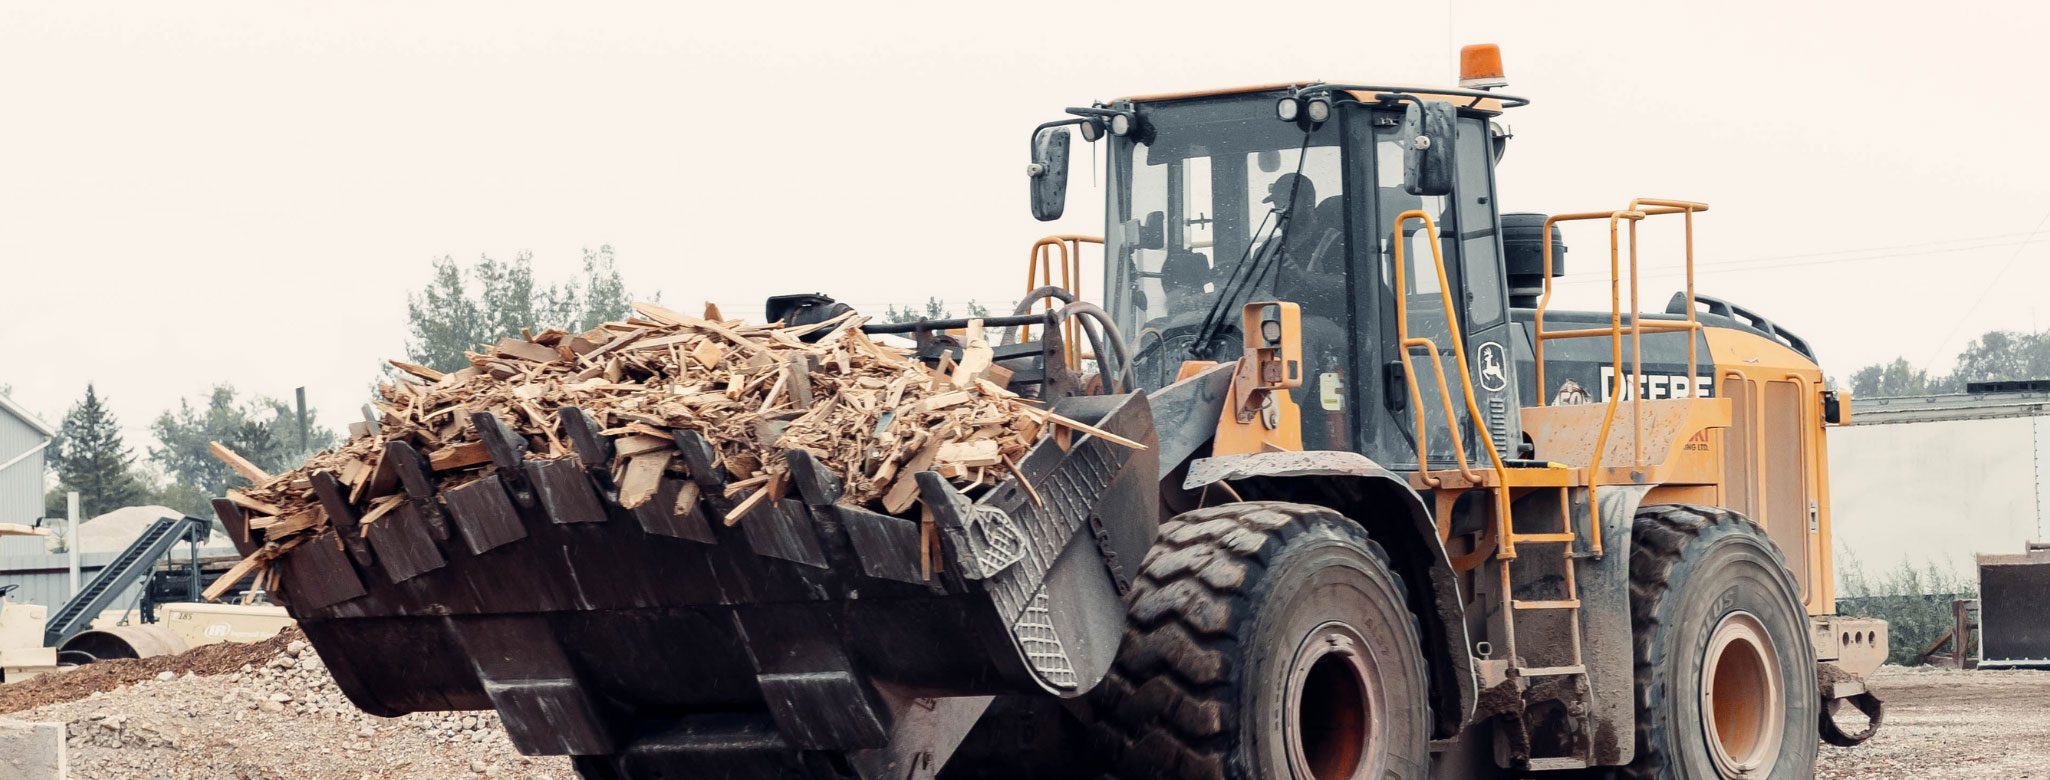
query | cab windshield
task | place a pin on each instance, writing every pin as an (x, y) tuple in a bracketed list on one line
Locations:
[(1217, 199)]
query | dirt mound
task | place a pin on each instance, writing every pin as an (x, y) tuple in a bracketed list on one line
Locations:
[(276, 718), (87, 680)]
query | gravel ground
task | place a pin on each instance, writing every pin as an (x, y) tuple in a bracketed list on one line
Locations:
[(281, 717), (1943, 723), (276, 719)]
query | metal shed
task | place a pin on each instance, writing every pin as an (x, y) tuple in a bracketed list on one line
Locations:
[(23, 439)]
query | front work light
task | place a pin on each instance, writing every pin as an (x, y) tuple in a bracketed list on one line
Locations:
[(1288, 108), (1319, 108), (1121, 124), (1092, 129)]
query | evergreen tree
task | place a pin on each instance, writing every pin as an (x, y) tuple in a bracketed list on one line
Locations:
[(91, 459)]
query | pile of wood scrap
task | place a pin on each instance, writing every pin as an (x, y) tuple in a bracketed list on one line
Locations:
[(872, 413)]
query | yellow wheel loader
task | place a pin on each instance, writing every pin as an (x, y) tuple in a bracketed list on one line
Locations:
[(1396, 515)]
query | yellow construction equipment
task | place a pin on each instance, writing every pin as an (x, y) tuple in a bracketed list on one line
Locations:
[(1420, 522)]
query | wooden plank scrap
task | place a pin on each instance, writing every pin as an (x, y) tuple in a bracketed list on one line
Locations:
[(241, 465), (243, 500), (455, 456), (423, 372), (525, 350)]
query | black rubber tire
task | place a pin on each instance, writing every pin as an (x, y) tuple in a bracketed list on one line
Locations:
[(1225, 600), (1690, 568)]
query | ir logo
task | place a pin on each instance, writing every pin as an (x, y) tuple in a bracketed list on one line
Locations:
[(1494, 367)]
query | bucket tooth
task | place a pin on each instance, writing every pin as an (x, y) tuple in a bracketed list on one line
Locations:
[(403, 544), (702, 459), (565, 490), (816, 484), (593, 448), (663, 515), (485, 514), (886, 546), (508, 450), (342, 516), (784, 529), (318, 575), (418, 484), (237, 525)]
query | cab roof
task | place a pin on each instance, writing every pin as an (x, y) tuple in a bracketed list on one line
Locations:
[(1465, 98)]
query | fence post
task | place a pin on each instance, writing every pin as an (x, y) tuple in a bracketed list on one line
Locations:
[(1961, 644)]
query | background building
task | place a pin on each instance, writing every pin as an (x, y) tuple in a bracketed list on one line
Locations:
[(1938, 479), (24, 440)]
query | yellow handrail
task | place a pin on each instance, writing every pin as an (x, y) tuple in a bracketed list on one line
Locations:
[(1039, 273), (1638, 210), (1444, 395)]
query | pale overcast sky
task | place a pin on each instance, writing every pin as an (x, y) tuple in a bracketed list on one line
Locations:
[(193, 193)]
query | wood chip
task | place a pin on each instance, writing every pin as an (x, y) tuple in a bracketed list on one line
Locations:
[(643, 477)]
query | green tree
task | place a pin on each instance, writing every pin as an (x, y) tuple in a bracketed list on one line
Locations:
[(1999, 355), (91, 459), (264, 430), (463, 308), (1885, 380), (935, 309), (2003, 355)]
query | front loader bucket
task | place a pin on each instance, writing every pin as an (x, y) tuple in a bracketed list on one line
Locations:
[(2014, 608), (810, 637)]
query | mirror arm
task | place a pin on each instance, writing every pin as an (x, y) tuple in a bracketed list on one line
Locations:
[(1032, 142)]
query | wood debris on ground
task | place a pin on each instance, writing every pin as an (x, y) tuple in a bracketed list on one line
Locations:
[(872, 413)]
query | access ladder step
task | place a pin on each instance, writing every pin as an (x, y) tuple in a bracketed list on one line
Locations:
[(1563, 762), (1563, 604), (1557, 537), (1551, 671)]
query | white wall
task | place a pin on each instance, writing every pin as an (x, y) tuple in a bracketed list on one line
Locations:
[(1933, 492)]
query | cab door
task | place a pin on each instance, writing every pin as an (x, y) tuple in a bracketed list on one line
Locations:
[(1487, 301), (1470, 244)]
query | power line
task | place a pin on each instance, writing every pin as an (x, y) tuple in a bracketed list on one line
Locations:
[(1765, 264), (1990, 284)]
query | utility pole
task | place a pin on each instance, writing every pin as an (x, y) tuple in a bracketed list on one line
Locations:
[(71, 536), (302, 422)]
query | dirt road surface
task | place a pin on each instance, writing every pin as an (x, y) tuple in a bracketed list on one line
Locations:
[(1943, 724), (280, 717)]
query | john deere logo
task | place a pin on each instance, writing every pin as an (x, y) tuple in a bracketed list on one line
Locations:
[(1494, 367)]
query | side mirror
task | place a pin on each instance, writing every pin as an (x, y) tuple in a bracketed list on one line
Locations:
[(1049, 172), (1427, 129)]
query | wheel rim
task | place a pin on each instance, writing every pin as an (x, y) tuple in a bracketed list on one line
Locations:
[(1742, 697), (1334, 697)]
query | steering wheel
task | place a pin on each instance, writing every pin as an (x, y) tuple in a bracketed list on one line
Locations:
[(8, 588), (1172, 338)]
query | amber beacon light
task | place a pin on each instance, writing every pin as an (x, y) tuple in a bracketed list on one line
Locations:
[(1480, 67)]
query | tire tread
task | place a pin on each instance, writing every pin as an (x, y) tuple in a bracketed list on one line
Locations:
[(1167, 709)]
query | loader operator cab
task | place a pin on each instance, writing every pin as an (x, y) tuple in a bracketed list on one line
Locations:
[(1217, 200)]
